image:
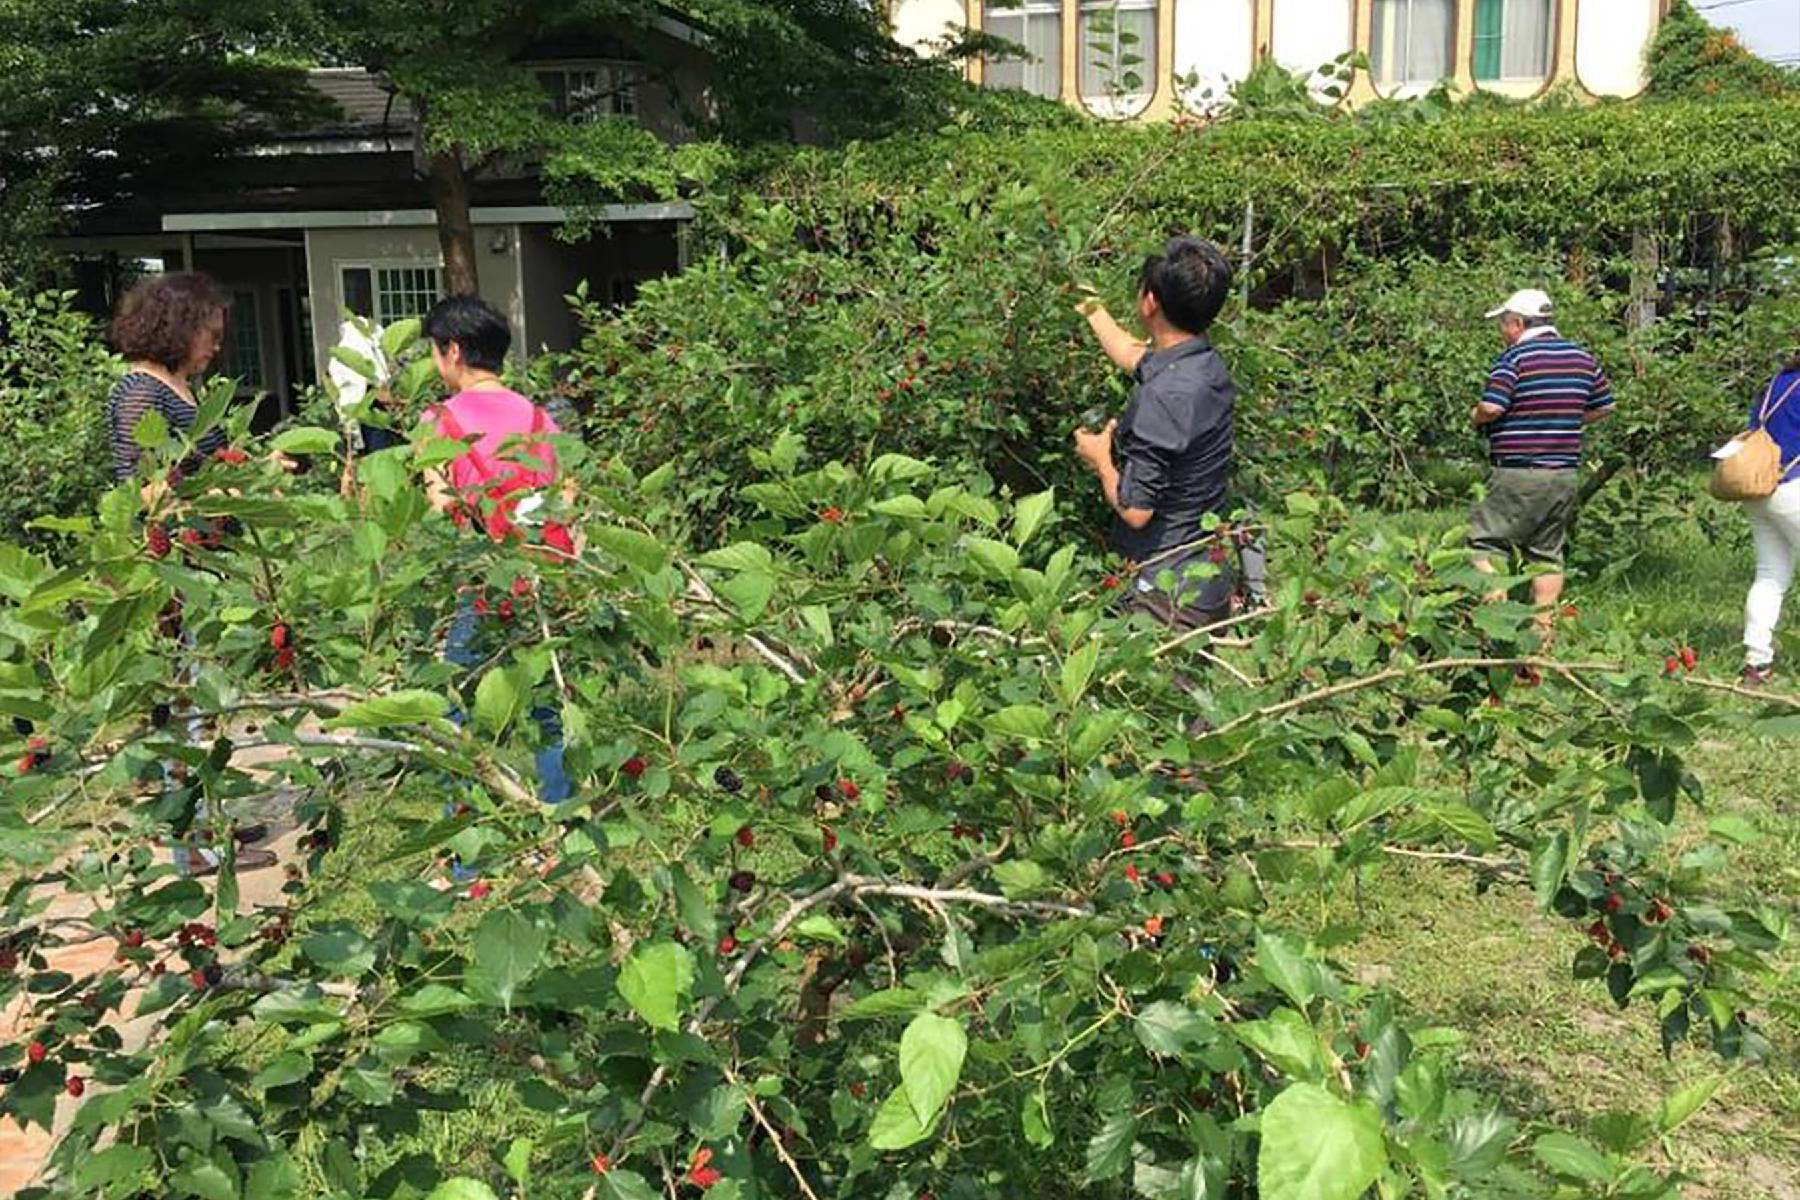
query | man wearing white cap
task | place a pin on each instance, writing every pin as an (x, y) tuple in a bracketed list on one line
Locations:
[(1543, 391)]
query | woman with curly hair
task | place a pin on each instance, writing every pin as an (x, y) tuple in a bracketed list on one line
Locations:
[(169, 329)]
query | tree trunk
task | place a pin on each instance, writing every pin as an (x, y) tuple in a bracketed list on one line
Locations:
[(449, 180), (1646, 266)]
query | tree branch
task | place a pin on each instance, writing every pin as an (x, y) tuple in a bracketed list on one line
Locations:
[(1388, 676), (865, 886), (756, 1114), (856, 886), (699, 590), (1486, 863), (1190, 635)]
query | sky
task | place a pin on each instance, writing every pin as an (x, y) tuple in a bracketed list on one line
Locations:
[(1769, 27)]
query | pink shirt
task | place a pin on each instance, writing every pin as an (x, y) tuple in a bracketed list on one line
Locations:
[(492, 467)]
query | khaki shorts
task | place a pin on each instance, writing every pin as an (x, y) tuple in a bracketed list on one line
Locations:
[(1526, 512)]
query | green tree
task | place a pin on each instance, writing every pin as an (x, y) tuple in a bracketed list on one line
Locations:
[(100, 100), (463, 68), (1690, 57)]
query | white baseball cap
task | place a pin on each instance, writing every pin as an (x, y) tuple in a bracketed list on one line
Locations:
[(1528, 302)]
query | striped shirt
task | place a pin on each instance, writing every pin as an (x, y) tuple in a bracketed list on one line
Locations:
[(1544, 385), (133, 396)]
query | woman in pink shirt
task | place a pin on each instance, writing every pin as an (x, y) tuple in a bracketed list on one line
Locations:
[(506, 461), (469, 341)]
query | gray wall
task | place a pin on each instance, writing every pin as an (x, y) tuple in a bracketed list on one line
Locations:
[(329, 249), (634, 251)]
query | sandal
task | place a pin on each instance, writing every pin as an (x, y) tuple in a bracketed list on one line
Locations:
[(247, 860)]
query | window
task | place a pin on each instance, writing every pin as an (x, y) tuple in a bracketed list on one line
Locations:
[(1037, 26), (390, 293), (1118, 50), (587, 93), (1512, 39), (1414, 41), (242, 352)]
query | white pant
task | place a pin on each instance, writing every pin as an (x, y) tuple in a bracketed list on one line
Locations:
[(1775, 527)]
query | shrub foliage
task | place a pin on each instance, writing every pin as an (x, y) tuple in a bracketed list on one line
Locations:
[(893, 866)]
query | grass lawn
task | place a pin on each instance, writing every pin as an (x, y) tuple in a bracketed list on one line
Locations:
[(1556, 1048)]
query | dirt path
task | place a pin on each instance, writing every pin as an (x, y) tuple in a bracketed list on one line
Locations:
[(24, 1152)]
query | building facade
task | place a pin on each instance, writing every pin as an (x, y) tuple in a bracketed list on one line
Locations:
[(307, 225), (1146, 58)]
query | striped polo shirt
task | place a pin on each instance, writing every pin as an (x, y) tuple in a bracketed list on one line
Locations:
[(1544, 385)]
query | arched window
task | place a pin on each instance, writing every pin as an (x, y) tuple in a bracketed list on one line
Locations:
[(1306, 35), (1413, 43), (923, 24), (1037, 26), (1117, 43), (1513, 39), (1610, 39), (1215, 43)]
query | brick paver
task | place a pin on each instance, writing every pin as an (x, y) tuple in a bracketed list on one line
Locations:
[(23, 1152)]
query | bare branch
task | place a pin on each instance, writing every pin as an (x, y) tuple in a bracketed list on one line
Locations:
[(1388, 676), (775, 1139), (698, 588), (1190, 635)]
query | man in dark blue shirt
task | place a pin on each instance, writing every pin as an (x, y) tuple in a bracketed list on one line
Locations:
[(1166, 463)]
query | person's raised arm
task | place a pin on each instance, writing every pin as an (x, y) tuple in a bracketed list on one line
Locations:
[(1125, 350)]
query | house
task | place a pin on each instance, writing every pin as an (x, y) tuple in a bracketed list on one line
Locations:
[(305, 224), (1140, 58)]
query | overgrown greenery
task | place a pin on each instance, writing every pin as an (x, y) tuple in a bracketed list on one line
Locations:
[(896, 865), (914, 294), (890, 867), (1691, 58), (54, 379), (101, 101)]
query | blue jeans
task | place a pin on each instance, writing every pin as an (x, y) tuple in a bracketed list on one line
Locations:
[(462, 648)]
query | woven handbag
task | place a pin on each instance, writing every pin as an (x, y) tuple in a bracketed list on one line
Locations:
[(1754, 470)]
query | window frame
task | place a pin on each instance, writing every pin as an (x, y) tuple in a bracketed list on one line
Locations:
[(243, 299), (1123, 104), (1501, 80), (1404, 85), (1027, 9), (623, 97), (374, 266)]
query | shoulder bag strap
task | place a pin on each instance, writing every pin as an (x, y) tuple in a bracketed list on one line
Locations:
[(454, 430), (1768, 409)]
